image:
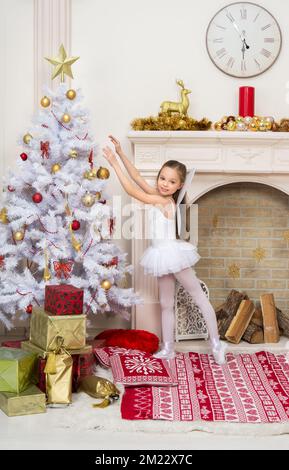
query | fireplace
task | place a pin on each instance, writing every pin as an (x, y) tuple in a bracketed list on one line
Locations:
[(229, 166)]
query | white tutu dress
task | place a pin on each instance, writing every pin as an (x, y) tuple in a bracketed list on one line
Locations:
[(166, 254)]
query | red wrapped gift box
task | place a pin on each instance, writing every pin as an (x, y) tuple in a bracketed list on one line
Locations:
[(63, 299)]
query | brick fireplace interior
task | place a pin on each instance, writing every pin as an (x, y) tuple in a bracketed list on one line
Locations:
[(243, 233)]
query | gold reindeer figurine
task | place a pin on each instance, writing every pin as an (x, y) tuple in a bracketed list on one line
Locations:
[(180, 107)]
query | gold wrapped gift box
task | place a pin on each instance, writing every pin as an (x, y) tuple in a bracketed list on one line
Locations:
[(29, 402), (17, 369), (45, 329), (28, 346)]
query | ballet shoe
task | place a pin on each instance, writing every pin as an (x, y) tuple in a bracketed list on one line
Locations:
[(219, 352), (167, 351)]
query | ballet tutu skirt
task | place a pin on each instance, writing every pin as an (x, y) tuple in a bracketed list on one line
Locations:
[(166, 254)]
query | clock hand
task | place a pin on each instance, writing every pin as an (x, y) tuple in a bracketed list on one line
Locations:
[(243, 39)]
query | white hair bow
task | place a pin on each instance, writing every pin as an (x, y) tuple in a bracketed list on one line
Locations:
[(187, 183)]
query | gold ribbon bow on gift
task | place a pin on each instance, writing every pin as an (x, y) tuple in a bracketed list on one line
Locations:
[(58, 370), (50, 366)]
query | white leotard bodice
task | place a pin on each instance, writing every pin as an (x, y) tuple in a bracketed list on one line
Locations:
[(160, 228)]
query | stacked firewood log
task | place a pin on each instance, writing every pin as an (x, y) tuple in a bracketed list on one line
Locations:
[(239, 318)]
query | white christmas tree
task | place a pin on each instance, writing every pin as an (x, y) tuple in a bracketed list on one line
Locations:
[(56, 226)]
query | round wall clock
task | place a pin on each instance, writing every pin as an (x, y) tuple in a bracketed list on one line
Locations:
[(243, 39)]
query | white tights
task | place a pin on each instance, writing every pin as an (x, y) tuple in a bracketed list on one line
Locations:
[(191, 284)]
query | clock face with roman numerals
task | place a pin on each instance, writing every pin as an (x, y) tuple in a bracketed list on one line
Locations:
[(243, 39)]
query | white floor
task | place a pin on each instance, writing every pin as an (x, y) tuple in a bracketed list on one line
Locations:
[(49, 431)]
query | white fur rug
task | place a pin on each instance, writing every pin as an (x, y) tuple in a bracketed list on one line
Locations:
[(81, 416)]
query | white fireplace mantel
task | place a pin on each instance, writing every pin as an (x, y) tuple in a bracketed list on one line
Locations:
[(220, 158)]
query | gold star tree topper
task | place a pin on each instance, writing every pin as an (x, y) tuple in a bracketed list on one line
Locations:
[(62, 64)]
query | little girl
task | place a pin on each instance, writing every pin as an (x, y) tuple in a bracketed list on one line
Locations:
[(167, 258)]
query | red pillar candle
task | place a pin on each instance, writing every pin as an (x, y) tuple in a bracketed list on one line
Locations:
[(246, 101)]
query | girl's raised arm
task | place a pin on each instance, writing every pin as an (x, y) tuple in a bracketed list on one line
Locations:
[(127, 184), (131, 169)]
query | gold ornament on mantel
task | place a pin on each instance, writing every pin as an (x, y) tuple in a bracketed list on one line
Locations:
[(180, 107), (259, 254), (45, 102), (106, 284), (27, 138), (103, 173), (234, 271), (62, 64), (3, 216)]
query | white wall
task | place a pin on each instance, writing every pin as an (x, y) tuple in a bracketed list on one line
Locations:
[(131, 52)]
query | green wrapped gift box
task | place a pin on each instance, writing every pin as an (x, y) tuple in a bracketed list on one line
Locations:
[(17, 369), (29, 402)]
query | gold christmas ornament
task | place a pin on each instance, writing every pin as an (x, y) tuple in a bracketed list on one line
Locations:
[(231, 125), (75, 243), (66, 118), (88, 200), (97, 196), (253, 126), (106, 284), (27, 138), (262, 125), (62, 64), (71, 94), (103, 173), (45, 102), (46, 274), (248, 120), (224, 119), (3, 216), (218, 126), (55, 168), (18, 236), (73, 153), (90, 174)]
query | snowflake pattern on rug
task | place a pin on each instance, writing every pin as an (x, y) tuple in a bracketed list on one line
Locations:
[(250, 388)]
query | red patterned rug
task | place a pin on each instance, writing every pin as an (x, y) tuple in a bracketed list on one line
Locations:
[(250, 388)]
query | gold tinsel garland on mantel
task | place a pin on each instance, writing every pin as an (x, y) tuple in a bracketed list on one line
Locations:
[(166, 122)]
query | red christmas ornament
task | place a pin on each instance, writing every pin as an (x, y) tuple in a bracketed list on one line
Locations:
[(10, 188), (2, 262), (75, 225), (29, 309), (37, 197), (23, 156)]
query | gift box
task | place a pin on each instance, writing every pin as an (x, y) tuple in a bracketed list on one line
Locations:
[(29, 402), (83, 361), (63, 299), (45, 329), (58, 370), (17, 370)]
